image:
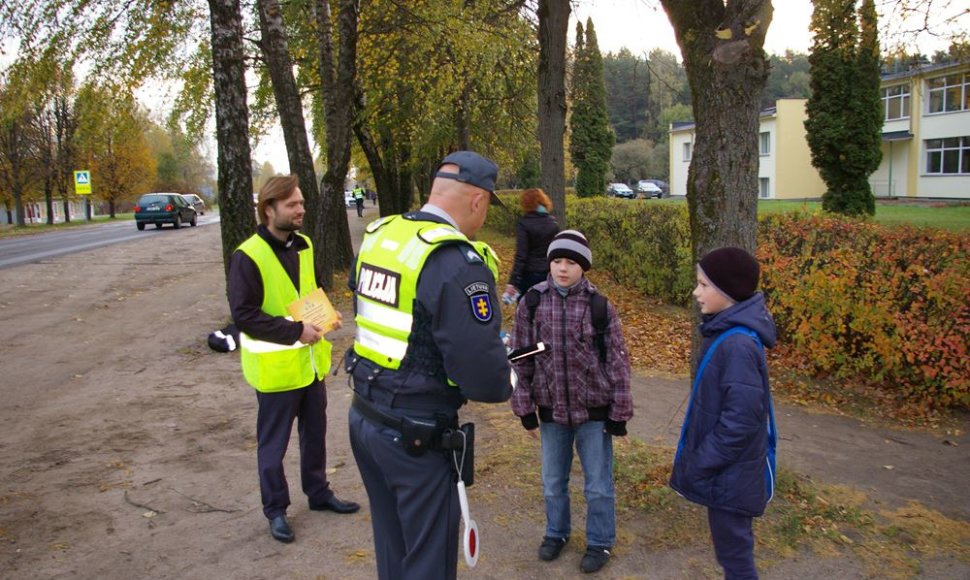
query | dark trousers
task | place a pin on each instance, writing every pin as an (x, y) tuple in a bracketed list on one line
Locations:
[(733, 544), (274, 422), (413, 505), (360, 207)]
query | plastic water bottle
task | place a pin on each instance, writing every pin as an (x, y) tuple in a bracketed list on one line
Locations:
[(506, 340), (509, 298)]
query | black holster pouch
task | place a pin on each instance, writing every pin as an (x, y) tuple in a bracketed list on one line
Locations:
[(418, 435), (459, 444)]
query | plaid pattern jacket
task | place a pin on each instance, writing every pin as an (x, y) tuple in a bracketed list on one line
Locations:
[(569, 377)]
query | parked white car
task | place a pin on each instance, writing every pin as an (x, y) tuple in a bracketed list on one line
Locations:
[(648, 188)]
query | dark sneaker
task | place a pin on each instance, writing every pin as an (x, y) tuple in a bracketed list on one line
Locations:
[(594, 559), (551, 548)]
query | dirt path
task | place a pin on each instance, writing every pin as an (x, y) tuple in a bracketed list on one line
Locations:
[(128, 446)]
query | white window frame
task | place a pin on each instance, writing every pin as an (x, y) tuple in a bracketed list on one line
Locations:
[(764, 143), (955, 150), (688, 146), (764, 188), (949, 88), (892, 95)]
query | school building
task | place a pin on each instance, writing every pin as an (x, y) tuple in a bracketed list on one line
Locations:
[(925, 141)]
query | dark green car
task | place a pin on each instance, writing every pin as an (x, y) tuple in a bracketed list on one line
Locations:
[(164, 208)]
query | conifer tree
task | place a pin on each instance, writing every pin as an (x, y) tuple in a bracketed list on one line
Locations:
[(844, 122), (591, 138)]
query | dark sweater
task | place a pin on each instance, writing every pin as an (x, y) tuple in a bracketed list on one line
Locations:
[(533, 232)]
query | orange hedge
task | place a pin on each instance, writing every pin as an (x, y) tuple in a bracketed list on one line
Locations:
[(861, 299)]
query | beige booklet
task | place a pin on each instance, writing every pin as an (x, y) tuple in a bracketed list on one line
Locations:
[(314, 308)]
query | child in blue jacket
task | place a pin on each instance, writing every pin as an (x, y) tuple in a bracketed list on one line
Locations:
[(721, 461)]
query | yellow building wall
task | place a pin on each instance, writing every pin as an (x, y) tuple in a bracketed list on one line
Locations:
[(794, 174)]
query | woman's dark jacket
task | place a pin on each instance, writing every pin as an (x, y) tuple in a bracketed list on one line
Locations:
[(722, 463), (533, 232)]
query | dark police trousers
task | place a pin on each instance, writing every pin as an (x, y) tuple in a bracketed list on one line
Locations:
[(274, 422), (413, 504)]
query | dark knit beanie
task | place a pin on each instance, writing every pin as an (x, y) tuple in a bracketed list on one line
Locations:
[(733, 271), (571, 244)]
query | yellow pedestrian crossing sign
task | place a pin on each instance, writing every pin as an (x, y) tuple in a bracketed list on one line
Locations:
[(82, 182)]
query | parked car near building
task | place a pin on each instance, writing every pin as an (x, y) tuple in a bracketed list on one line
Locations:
[(164, 208), (647, 188), (349, 199), (196, 202), (620, 190)]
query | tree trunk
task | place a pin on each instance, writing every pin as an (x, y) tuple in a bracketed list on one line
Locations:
[(727, 77), (65, 125), (382, 182), (337, 79), (275, 47), (232, 127), (553, 24)]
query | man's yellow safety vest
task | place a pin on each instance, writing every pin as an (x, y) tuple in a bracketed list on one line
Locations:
[(391, 257), (270, 367)]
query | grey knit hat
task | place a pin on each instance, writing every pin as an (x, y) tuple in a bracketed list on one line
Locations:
[(573, 245)]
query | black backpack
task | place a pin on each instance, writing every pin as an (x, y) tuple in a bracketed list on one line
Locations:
[(598, 311)]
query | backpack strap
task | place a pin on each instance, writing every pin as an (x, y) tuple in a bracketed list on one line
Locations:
[(531, 300), (601, 321)]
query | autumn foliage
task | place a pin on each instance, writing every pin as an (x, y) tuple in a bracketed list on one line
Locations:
[(889, 304), (884, 306)]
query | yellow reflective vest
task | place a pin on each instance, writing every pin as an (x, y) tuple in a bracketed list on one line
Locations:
[(391, 257), (270, 367)]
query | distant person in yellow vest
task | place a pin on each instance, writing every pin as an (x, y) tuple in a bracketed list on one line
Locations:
[(284, 361), (427, 341), (359, 200)]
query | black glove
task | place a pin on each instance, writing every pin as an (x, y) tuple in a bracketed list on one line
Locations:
[(530, 421), (616, 428)]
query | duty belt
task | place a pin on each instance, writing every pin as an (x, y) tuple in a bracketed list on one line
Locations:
[(375, 415), (417, 433)]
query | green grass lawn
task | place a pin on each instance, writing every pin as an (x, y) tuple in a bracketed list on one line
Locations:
[(950, 217)]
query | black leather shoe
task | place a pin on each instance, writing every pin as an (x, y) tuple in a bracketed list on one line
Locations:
[(594, 559), (280, 529), (551, 547), (335, 505)]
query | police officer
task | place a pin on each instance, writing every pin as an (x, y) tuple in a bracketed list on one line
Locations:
[(427, 340), (359, 200), (283, 360)]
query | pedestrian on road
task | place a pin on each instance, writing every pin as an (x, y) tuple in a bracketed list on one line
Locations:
[(577, 393), (722, 458), (427, 341), (533, 232), (359, 200), (284, 361)]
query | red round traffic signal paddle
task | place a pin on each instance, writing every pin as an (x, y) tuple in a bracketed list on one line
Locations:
[(471, 528)]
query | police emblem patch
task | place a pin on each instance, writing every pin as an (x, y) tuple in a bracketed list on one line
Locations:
[(481, 307)]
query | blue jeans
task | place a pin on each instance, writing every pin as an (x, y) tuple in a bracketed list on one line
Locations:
[(595, 449)]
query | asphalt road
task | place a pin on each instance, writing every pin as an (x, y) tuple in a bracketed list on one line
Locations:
[(18, 250)]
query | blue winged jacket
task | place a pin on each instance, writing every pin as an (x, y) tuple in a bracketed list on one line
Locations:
[(721, 464)]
